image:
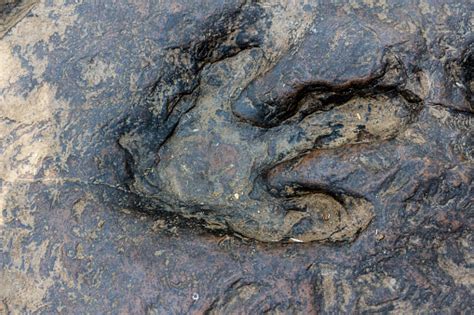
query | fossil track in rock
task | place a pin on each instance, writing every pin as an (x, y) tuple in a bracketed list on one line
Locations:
[(342, 86)]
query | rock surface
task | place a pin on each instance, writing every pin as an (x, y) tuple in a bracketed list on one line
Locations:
[(236, 157)]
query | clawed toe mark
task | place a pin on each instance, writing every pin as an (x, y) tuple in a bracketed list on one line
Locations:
[(320, 217)]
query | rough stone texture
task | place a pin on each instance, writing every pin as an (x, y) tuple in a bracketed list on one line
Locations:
[(219, 157)]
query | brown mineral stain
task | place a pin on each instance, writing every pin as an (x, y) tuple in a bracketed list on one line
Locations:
[(22, 159), (10, 66), (33, 117), (24, 291)]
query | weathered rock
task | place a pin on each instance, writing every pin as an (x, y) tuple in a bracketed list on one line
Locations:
[(166, 157)]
